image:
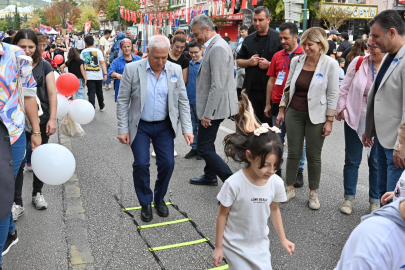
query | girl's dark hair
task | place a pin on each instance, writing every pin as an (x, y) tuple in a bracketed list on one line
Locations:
[(73, 55), (358, 49), (28, 33), (236, 144)]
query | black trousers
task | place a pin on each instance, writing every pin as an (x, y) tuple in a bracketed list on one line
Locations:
[(258, 100), (36, 184), (95, 88), (214, 164)]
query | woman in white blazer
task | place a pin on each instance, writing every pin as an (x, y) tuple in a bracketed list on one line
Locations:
[(308, 106)]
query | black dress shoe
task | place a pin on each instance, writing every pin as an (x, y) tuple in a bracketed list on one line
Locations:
[(146, 213), (191, 154), (299, 181), (161, 209), (204, 181)]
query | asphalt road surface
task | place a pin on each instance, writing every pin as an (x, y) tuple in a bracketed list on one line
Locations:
[(85, 228)]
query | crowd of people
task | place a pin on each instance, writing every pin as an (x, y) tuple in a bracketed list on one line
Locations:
[(272, 84)]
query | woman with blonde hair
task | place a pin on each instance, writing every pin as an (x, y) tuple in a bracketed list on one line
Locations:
[(308, 106)]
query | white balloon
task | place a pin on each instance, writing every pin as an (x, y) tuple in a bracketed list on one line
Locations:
[(53, 164), (63, 106), (81, 111)]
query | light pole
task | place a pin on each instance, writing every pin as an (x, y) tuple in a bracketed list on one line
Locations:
[(119, 15), (304, 21)]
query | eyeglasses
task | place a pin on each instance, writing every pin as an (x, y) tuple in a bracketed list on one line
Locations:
[(191, 53), (178, 47), (372, 47)]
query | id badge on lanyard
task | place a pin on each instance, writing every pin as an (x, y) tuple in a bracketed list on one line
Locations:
[(280, 78)]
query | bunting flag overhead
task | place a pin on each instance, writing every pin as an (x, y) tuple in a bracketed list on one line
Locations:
[(254, 2), (232, 6)]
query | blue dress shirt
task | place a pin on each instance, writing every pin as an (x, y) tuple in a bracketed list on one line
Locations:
[(192, 81), (157, 90)]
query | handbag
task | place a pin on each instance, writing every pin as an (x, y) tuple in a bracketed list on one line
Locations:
[(70, 128)]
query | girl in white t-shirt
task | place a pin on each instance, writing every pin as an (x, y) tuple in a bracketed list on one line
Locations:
[(250, 196), (399, 191)]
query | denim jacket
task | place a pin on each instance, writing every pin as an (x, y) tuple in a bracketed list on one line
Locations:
[(118, 66)]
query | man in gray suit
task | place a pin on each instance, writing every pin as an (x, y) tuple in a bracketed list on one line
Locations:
[(386, 102), (152, 99), (216, 97)]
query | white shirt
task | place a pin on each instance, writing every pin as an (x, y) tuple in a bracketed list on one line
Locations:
[(92, 58), (206, 44), (378, 243), (246, 243)]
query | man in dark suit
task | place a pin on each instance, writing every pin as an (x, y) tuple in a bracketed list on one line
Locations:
[(255, 56)]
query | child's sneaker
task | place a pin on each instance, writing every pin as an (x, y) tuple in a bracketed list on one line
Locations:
[(17, 211), (28, 168), (39, 201)]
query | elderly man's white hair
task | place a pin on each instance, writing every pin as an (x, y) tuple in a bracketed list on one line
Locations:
[(158, 42)]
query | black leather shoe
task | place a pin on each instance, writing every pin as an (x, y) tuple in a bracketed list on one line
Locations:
[(146, 213), (162, 209), (191, 154), (299, 181), (204, 181)]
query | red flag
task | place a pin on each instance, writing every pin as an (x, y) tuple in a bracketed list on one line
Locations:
[(215, 7), (233, 6), (254, 2), (156, 18), (223, 7), (160, 18), (182, 13), (150, 18), (243, 4)]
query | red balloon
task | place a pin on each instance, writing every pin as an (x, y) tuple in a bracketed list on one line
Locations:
[(67, 84), (58, 59), (45, 55)]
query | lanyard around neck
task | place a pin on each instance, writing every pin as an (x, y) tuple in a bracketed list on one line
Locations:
[(286, 58)]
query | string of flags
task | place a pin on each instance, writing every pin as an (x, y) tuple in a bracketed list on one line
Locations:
[(212, 8)]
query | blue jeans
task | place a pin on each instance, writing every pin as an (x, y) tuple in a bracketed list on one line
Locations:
[(388, 173), (162, 136), (79, 93), (282, 138), (353, 155), (195, 122), (7, 225)]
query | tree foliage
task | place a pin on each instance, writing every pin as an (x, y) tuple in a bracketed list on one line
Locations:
[(112, 9), (55, 13), (88, 14), (220, 22), (158, 6), (17, 20), (332, 17), (276, 8), (99, 5), (4, 25)]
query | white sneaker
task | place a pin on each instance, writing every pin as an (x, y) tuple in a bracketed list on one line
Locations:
[(290, 194), (175, 153), (28, 168), (39, 201), (17, 211), (374, 206), (313, 201), (347, 207), (153, 153)]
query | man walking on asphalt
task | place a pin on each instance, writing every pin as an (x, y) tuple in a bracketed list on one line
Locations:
[(79, 44), (96, 72), (385, 103), (278, 72), (151, 101), (216, 97), (255, 56)]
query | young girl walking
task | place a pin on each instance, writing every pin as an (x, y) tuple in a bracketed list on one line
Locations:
[(251, 195)]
